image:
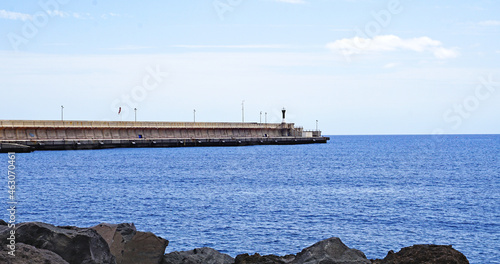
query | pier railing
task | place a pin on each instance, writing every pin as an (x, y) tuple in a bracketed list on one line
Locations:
[(132, 124)]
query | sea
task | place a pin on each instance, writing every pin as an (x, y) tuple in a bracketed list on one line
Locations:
[(376, 193)]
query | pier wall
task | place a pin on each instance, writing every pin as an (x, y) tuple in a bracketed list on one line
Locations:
[(80, 130), (29, 135)]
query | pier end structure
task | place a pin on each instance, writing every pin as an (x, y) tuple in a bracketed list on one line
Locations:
[(29, 135)]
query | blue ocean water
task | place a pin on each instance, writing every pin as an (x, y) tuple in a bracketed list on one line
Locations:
[(377, 193)]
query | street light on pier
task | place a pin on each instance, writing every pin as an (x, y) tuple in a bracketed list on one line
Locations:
[(194, 115), (266, 117), (62, 113), (260, 118), (243, 111), (317, 125), (135, 113)]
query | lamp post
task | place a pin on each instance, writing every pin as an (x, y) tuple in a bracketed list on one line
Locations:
[(194, 115), (135, 114), (266, 117), (260, 118), (317, 125), (62, 113), (243, 111)]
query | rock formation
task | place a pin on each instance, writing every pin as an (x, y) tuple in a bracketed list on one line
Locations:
[(424, 254), (130, 246), (267, 259), (123, 244), (30, 254), (75, 245), (328, 251), (199, 255), (331, 251)]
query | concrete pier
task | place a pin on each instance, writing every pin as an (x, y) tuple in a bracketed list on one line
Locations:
[(30, 135)]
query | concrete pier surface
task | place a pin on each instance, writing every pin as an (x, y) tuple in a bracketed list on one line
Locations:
[(30, 135)]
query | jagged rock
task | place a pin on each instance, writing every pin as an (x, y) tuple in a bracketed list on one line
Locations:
[(4, 233), (130, 246), (330, 251), (197, 256), (424, 254), (47, 244), (267, 259), (74, 245), (30, 254)]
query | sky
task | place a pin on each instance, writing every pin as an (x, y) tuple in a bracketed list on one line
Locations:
[(355, 66)]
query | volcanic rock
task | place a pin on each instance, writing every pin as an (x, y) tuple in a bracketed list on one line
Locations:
[(130, 246), (424, 254), (267, 259), (74, 245), (330, 251), (197, 256), (30, 254), (37, 242), (4, 233)]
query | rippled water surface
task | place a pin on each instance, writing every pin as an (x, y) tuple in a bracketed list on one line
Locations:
[(377, 193)]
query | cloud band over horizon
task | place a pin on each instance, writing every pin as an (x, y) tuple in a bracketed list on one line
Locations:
[(386, 43)]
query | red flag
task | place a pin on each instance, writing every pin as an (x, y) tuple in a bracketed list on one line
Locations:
[(119, 110)]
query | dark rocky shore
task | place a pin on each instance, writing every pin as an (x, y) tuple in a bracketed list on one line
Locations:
[(37, 242)]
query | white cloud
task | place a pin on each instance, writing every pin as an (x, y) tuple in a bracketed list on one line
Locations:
[(231, 46), (64, 14), (53, 13), (14, 15), (58, 13), (82, 15), (292, 1), (60, 44), (131, 47), (111, 14), (391, 65), (489, 23), (387, 43), (443, 53)]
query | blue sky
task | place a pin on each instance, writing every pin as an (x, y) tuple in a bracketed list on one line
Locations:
[(357, 66)]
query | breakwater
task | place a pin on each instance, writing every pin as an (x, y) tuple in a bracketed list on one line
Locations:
[(123, 244), (30, 135)]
